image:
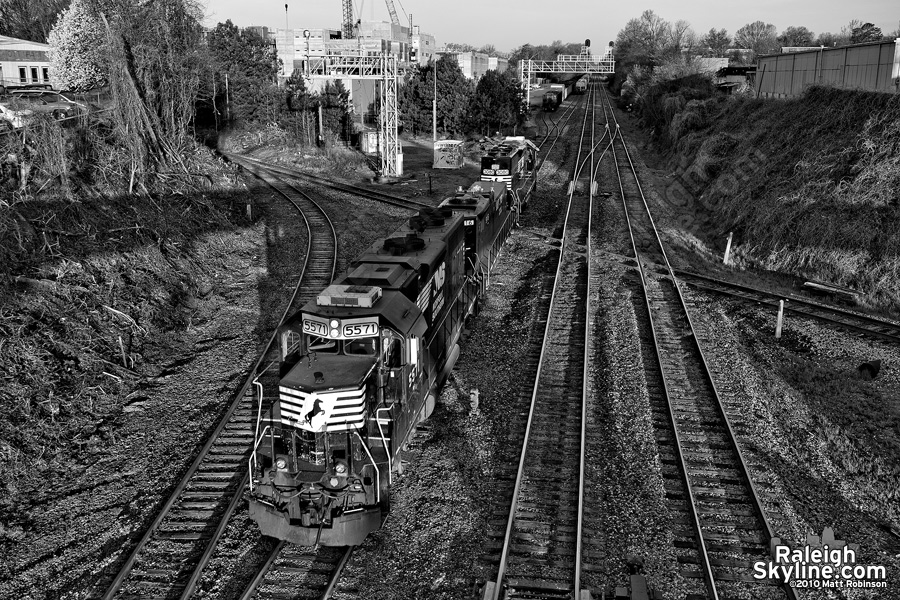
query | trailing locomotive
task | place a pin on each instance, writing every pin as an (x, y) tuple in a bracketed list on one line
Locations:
[(362, 364), (511, 162)]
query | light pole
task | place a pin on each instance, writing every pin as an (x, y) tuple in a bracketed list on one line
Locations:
[(306, 62)]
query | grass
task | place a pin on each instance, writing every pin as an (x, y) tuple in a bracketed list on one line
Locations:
[(85, 287), (810, 186), (857, 428)]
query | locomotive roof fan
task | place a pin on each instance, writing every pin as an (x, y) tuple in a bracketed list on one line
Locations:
[(429, 217), (402, 245)]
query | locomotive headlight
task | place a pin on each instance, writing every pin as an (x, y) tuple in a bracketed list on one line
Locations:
[(281, 463), (334, 481), (334, 333), (334, 323), (340, 468)]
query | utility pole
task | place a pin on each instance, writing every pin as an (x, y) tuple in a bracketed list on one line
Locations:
[(286, 18), (227, 101), (434, 107)]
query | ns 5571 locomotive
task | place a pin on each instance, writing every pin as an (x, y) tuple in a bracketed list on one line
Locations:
[(362, 364)]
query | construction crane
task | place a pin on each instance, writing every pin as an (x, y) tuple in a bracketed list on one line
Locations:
[(348, 19), (394, 18)]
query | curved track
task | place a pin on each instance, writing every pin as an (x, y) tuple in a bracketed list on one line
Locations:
[(541, 550), (720, 524), (168, 560), (322, 181)]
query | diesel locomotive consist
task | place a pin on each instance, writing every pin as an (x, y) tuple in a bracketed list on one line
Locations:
[(363, 363)]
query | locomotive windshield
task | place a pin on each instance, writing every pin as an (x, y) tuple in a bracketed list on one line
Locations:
[(366, 346)]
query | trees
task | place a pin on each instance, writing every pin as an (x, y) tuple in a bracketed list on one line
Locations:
[(717, 41), (828, 39), (867, 32), (497, 102), (78, 49), (454, 94), (757, 36), (680, 37), (251, 66), (30, 19), (640, 41), (796, 36)]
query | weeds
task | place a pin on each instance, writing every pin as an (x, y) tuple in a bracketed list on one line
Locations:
[(824, 203)]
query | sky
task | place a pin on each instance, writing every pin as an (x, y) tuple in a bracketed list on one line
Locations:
[(509, 24)]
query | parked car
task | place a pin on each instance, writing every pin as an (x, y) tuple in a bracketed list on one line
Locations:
[(48, 102), (13, 113)]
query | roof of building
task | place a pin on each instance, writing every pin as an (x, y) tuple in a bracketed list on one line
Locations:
[(6, 41)]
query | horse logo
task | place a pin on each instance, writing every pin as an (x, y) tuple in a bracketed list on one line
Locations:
[(315, 413)]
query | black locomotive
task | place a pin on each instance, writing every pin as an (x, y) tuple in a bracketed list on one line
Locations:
[(363, 363)]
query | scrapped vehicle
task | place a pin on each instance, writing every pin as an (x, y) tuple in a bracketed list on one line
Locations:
[(48, 102), (13, 114)]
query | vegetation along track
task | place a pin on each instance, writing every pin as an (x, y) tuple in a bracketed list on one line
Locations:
[(343, 187), (832, 315), (540, 555), (720, 526), (168, 560)]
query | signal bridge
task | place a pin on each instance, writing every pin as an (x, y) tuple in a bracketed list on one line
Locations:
[(571, 64), (384, 68)]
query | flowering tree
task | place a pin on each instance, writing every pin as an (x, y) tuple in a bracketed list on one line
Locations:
[(78, 49)]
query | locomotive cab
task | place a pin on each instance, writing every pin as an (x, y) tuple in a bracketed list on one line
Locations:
[(324, 454)]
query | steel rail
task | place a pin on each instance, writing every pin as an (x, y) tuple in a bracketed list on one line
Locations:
[(695, 519), (406, 203), (507, 540), (585, 377), (567, 117), (859, 323), (128, 565), (757, 504), (263, 571), (207, 555)]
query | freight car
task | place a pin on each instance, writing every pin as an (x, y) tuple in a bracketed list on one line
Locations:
[(362, 364)]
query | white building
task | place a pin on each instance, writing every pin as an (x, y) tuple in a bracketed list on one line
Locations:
[(423, 47), (295, 47), (475, 64), (496, 63), (23, 62)]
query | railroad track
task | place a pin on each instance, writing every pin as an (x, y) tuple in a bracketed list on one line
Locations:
[(540, 552), (169, 558), (299, 572), (719, 523), (834, 316), (362, 192)]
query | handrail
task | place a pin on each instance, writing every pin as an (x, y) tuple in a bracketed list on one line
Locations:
[(374, 466), (252, 460), (384, 441)]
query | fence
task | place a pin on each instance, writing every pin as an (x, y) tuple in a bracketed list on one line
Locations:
[(874, 67)]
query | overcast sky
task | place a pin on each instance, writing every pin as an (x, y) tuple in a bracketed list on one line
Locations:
[(510, 23)]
